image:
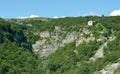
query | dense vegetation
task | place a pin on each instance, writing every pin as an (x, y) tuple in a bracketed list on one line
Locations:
[(17, 57)]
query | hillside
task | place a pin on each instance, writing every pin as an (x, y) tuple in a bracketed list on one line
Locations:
[(16, 56), (71, 45)]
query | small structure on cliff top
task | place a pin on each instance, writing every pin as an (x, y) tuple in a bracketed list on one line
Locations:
[(91, 23)]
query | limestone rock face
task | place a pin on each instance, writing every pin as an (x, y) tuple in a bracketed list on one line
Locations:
[(49, 45), (110, 68), (100, 52), (101, 38), (79, 41), (82, 39), (86, 31), (45, 34), (59, 37), (38, 45), (57, 28), (69, 38), (50, 41)]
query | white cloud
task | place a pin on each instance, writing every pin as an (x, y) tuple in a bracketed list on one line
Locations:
[(115, 13), (59, 17), (55, 17), (31, 16)]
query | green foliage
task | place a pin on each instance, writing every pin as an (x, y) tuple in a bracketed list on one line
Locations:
[(14, 60), (117, 71), (63, 62), (14, 55), (15, 40)]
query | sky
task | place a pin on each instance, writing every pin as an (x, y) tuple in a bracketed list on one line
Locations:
[(58, 8)]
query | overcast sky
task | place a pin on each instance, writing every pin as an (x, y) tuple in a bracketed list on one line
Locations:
[(58, 8)]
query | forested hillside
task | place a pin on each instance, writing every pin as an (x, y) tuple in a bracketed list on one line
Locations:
[(16, 56), (68, 45)]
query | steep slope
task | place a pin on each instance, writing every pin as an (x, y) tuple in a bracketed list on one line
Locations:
[(16, 56), (71, 46)]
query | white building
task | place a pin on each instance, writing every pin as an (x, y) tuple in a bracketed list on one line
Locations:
[(90, 23)]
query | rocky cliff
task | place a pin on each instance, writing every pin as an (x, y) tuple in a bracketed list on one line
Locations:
[(75, 46)]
